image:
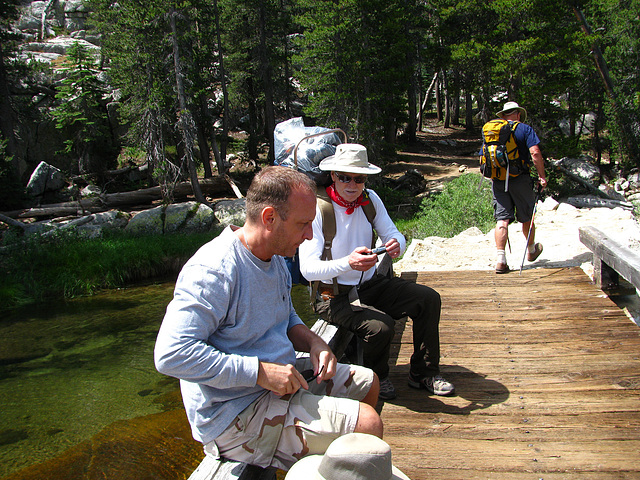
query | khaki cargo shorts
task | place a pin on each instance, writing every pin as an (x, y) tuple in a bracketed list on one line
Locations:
[(278, 431)]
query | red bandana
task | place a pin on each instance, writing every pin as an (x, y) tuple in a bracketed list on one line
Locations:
[(350, 206)]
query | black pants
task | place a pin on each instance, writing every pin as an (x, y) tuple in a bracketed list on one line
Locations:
[(385, 300)]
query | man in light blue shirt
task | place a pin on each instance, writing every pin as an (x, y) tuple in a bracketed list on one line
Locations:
[(230, 335)]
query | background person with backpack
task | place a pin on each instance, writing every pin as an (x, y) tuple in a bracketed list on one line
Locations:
[(513, 189), (351, 293)]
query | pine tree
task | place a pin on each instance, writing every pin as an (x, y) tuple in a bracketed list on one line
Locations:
[(81, 113), (353, 66)]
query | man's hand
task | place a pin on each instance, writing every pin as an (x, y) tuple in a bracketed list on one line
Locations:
[(361, 259), (322, 356), (304, 340), (280, 379), (393, 248)]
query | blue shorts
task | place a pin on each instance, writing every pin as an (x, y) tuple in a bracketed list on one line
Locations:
[(517, 202)]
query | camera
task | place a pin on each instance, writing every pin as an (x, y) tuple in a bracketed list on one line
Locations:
[(378, 251)]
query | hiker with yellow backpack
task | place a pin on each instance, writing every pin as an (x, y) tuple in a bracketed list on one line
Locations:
[(509, 146)]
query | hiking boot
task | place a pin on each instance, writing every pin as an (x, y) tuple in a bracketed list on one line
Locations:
[(435, 385), (502, 268), (536, 253), (387, 390)]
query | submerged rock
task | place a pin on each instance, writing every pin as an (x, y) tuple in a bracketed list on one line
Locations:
[(157, 446)]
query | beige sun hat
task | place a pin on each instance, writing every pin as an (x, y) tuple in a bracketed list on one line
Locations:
[(349, 158), (513, 106), (355, 456)]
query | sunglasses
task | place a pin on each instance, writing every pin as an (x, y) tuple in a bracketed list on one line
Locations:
[(347, 178), (309, 376)]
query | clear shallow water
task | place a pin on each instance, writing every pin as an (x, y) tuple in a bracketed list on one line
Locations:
[(70, 369)]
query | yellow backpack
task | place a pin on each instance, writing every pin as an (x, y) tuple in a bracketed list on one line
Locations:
[(500, 158)]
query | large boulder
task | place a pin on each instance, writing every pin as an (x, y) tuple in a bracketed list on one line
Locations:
[(189, 217), (45, 178), (582, 126), (103, 221), (147, 222), (75, 15), (55, 47), (583, 167), (231, 212)]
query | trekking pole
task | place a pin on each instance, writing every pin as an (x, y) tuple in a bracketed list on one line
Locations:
[(535, 208)]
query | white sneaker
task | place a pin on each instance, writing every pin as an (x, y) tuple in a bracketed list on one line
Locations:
[(387, 390), (435, 385)]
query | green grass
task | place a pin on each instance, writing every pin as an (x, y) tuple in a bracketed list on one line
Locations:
[(69, 265), (462, 204)]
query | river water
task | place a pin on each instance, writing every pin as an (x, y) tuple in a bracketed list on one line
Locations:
[(70, 370)]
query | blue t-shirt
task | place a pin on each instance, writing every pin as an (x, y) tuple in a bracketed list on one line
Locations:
[(525, 139)]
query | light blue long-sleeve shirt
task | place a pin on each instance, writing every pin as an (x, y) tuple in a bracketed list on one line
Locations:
[(230, 310)]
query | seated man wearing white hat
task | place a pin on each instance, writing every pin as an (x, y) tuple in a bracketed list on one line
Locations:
[(360, 299)]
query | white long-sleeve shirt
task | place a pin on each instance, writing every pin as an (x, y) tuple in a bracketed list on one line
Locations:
[(352, 231)]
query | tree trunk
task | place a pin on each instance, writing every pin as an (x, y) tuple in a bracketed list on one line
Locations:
[(447, 100), (215, 186), (603, 70), (287, 74), (455, 108), (252, 142), (426, 100), (220, 159), (185, 120), (438, 99), (43, 19), (267, 84), (468, 122), (412, 93), (6, 118), (203, 146), (597, 145)]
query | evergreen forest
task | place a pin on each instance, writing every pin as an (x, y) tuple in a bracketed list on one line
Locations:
[(183, 75)]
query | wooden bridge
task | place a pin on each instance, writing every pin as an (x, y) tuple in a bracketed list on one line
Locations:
[(547, 375)]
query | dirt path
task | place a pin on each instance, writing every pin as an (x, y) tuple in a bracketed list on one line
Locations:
[(439, 154)]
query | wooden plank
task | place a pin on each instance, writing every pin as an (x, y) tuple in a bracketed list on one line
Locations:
[(613, 255), (547, 375), (218, 469)]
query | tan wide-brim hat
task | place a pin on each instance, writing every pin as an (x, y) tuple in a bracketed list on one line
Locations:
[(349, 158), (356, 456), (513, 106)]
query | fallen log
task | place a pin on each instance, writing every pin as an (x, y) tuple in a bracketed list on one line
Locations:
[(581, 181), (11, 222), (592, 202), (215, 186)]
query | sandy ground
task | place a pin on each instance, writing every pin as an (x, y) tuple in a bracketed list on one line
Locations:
[(556, 228)]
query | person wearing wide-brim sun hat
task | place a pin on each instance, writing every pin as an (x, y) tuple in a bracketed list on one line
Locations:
[(350, 158), (350, 292), (356, 456), (519, 200), (510, 107)]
